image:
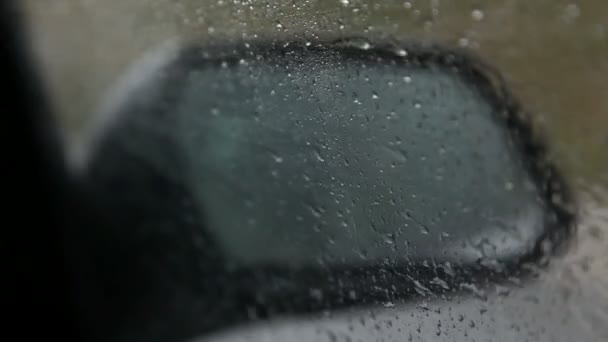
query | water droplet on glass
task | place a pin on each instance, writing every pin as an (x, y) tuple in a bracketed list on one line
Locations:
[(318, 155), (477, 15), (474, 290), (365, 46), (277, 159), (389, 305), (316, 212), (571, 12), (440, 282), (421, 289), (402, 52)]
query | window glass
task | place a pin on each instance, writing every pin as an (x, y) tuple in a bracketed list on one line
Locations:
[(200, 173)]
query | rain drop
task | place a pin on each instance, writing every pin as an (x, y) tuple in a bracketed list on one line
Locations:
[(572, 12), (477, 15), (402, 52), (277, 159), (318, 155), (474, 290)]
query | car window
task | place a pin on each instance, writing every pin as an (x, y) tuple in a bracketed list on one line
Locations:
[(333, 170)]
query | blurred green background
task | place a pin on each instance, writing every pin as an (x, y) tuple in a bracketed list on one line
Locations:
[(553, 53)]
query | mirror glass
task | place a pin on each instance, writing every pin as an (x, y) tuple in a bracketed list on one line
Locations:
[(307, 157)]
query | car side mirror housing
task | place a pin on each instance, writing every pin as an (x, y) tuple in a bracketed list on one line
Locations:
[(327, 163)]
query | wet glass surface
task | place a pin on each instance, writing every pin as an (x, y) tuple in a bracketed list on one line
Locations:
[(553, 57)]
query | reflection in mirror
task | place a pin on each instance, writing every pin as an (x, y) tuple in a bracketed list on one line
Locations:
[(320, 160)]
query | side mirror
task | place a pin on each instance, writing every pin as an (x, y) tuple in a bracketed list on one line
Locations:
[(237, 179)]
